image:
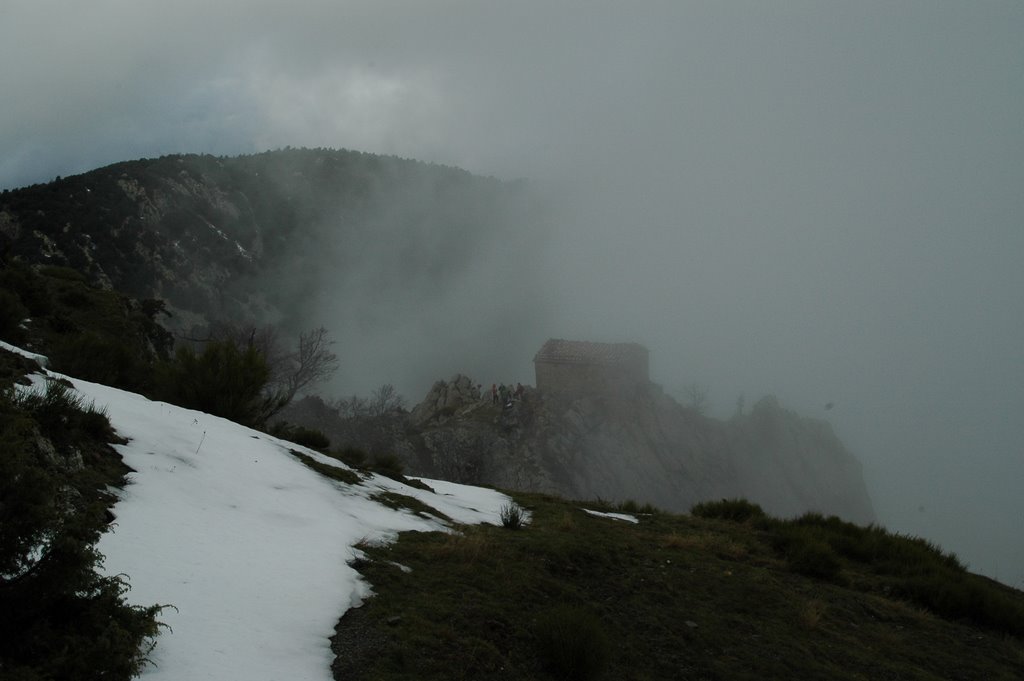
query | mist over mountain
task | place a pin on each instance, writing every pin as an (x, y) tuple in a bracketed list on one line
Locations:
[(421, 271), (408, 264)]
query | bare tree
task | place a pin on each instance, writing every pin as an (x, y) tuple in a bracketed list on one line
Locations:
[(311, 363), (698, 395), (385, 399), (265, 339), (290, 371), (740, 403), (350, 407)]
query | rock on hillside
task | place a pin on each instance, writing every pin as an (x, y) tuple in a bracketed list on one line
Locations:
[(794, 464), (644, 447)]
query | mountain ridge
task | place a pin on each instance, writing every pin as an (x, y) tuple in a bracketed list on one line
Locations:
[(249, 238)]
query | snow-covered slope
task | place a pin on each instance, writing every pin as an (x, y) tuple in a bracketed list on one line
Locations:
[(248, 544)]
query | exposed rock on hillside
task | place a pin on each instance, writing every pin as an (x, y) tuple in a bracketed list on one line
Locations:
[(644, 446), (445, 399), (795, 463)]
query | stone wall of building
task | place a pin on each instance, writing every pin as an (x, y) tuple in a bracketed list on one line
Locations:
[(579, 368)]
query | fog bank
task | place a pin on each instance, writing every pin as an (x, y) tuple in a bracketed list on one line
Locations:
[(819, 201)]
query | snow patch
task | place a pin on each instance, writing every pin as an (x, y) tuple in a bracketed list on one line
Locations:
[(250, 546), (615, 516)]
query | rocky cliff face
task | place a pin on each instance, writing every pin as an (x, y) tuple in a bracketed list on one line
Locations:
[(645, 447)]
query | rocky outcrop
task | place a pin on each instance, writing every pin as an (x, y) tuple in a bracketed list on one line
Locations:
[(446, 398), (644, 447), (792, 464)]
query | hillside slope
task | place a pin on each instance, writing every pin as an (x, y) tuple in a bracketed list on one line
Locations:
[(266, 237), (246, 546), (258, 553), (652, 596)]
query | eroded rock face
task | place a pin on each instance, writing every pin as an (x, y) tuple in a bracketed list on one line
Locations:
[(445, 399), (645, 447), (793, 464)]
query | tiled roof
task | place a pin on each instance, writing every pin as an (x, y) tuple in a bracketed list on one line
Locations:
[(585, 352)]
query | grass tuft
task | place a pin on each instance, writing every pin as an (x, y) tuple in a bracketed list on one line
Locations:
[(513, 517)]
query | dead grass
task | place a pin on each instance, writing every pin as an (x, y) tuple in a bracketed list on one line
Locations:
[(566, 522), (812, 613), (467, 548), (723, 547)]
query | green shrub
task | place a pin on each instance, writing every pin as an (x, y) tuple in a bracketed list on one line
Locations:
[(352, 456), (307, 437), (63, 415), (908, 567), (810, 556), (965, 596), (28, 286), (572, 643), (75, 297), (629, 506), (632, 506), (736, 510), (12, 314), (388, 465), (95, 358), (62, 273), (59, 617), (224, 381)]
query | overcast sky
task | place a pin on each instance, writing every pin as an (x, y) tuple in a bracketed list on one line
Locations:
[(820, 200)]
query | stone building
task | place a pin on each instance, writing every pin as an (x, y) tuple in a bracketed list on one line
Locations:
[(580, 367)]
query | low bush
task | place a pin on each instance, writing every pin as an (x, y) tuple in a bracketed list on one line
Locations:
[(19, 279), (632, 506), (572, 643), (908, 567), (388, 464), (12, 314), (60, 618), (808, 555), (223, 380), (62, 273), (352, 456), (63, 415), (965, 596), (307, 437), (736, 510), (109, 361)]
